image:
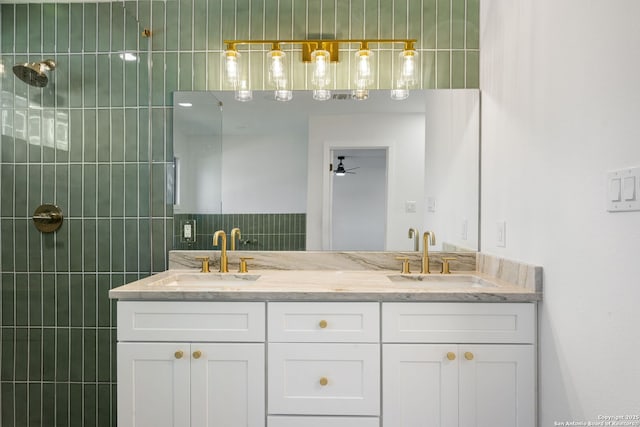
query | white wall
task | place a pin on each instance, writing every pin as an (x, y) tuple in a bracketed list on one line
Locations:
[(199, 192), (265, 173), (452, 167), (403, 134), (560, 108)]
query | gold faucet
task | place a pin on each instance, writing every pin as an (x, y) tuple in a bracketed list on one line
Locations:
[(224, 261), (235, 232), (428, 237), (413, 234)]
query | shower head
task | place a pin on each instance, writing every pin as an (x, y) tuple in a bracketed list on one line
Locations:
[(33, 73)]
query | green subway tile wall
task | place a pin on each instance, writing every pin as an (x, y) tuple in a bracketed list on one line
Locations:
[(97, 141), (259, 232)]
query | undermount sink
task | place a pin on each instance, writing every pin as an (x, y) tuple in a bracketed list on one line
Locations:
[(441, 281), (212, 279)]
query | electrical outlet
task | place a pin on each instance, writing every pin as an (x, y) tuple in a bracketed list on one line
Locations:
[(410, 206), (189, 231), (431, 204), (501, 234)]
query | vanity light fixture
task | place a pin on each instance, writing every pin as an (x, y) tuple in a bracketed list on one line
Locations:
[(185, 104), (320, 54)]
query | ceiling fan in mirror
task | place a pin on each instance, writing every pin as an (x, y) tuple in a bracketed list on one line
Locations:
[(340, 169)]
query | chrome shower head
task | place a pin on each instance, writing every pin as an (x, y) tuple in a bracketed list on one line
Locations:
[(33, 73)]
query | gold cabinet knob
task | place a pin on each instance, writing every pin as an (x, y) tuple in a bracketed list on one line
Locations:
[(197, 354), (323, 324), (178, 354), (451, 355), (324, 381), (468, 355)]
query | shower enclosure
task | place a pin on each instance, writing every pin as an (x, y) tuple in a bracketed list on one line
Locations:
[(75, 131)]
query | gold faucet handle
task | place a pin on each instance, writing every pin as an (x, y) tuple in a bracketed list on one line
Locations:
[(243, 264), (205, 263), (405, 264), (445, 264)]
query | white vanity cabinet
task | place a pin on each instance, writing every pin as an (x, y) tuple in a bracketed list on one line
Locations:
[(458, 364), (198, 364), (323, 364), (326, 364)]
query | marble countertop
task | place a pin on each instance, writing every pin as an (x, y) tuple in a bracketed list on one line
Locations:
[(323, 285)]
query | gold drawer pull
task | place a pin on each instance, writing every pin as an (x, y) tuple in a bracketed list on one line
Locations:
[(323, 324), (324, 381), (468, 355), (197, 354), (451, 355), (178, 354)]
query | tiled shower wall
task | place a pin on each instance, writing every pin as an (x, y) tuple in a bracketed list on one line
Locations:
[(97, 142)]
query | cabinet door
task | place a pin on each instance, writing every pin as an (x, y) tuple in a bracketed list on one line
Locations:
[(497, 386), (153, 385), (227, 385), (420, 385)]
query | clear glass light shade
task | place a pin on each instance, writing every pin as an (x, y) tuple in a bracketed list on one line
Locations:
[(231, 68), (321, 94), (406, 69), (399, 94), (321, 73), (360, 94), (363, 74), (277, 69), (243, 93), (283, 95)]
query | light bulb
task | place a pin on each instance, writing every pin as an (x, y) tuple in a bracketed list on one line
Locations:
[(363, 74), (408, 67), (320, 77), (277, 68)]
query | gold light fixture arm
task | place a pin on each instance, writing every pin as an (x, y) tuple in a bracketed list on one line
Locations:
[(332, 46)]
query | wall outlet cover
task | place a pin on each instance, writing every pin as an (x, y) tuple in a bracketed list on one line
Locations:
[(501, 234)]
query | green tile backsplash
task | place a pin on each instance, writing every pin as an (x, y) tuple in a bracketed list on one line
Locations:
[(259, 232), (97, 141)]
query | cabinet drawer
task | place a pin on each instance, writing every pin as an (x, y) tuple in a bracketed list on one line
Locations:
[(191, 321), (458, 322), (324, 379), (324, 322), (322, 422)]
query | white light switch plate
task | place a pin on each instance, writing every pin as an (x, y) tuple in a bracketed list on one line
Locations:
[(622, 190), (410, 206), (501, 234)]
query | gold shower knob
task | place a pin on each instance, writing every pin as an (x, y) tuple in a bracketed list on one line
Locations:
[(178, 354), (468, 355), (197, 354), (451, 355), (323, 324), (324, 381)]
